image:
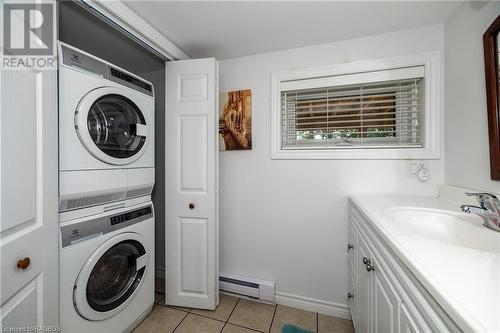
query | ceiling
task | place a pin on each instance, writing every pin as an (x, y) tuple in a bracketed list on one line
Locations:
[(239, 28)]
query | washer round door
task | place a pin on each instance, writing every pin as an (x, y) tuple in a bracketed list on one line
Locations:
[(111, 126), (111, 277)]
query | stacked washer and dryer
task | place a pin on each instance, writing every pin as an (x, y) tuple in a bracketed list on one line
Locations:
[(106, 175)]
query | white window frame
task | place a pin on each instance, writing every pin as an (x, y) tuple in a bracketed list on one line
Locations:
[(432, 62)]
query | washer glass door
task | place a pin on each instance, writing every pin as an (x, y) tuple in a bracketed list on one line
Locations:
[(115, 124), (115, 276)]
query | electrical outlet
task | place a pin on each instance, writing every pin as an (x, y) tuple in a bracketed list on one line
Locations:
[(415, 166)]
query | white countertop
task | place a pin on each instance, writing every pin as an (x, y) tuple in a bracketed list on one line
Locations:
[(464, 281)]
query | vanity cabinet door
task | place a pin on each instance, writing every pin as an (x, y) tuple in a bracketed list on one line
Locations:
[(352, 251), (365, 287), (375, 306), (406, 322), (386, 303)]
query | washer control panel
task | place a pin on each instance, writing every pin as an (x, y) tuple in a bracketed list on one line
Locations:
[(77, 232), (125, 217)]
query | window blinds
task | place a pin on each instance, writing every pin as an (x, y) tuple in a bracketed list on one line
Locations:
[(382, 109)]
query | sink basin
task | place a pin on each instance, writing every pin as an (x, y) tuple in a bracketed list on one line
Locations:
[(443, 226)]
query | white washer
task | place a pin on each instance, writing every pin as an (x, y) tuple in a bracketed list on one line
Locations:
[(106, 132), (106, 270)]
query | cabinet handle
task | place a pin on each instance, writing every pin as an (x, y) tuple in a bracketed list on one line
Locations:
[(370, 267), (366, 261), (24, 263), (349, 247), (349, 295)]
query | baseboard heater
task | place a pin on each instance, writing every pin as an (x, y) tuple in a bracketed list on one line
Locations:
[(262, 290)]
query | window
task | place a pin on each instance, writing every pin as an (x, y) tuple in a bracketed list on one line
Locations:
[(382, 114), (387, 113)]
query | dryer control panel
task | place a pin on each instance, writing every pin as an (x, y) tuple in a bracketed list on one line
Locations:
[(77, 232), (125, 217), (74, 58)]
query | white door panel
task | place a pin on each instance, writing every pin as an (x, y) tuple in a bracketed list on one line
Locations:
[(193, 151), (407, 323), (22, 310), (191, 182), (364, 289), (386, 303), (28, 198), (20, 148), (192, 263)]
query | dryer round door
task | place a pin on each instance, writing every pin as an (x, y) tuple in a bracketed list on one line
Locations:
[(111, 277), (111, 126)]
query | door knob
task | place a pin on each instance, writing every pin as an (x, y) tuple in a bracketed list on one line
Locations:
[(191, 206), (24, 263), (349, 247)]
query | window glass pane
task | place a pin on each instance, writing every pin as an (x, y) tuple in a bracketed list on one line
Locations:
[(382, 114)]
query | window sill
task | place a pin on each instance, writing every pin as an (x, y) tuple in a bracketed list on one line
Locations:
[(356, 154)]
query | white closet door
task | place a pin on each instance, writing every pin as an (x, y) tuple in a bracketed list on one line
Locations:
[(191, 184), (28, 199)]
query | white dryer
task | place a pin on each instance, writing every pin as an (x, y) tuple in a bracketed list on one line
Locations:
[(107, 270), (106, 132)]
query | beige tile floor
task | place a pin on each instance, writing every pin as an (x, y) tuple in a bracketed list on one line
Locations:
[(237, 315)]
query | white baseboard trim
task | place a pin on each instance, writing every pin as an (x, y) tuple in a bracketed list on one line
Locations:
[(314, 305), (160, 272)]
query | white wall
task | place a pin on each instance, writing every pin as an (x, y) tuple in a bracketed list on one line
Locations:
[(466, 126), (287, 219)]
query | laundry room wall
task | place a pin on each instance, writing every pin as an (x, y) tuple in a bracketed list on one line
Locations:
[(87, 32), (287, 219)]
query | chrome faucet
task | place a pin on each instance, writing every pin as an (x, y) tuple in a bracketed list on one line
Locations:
[(488, 209)]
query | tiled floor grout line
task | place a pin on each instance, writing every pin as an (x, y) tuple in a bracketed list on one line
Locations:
[(234, 308), (272, 320), (179, 324), (207, 317), (247, 328), (227, 320)]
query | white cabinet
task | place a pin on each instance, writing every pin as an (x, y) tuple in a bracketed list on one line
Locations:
[(364, 288), (375, 303), (384, 296), (352, 249), (407, 323), (385, 302)]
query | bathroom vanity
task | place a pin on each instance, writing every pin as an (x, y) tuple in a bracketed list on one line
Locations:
[(419, 264)]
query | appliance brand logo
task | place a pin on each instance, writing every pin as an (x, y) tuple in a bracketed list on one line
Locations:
[(28, 35)]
